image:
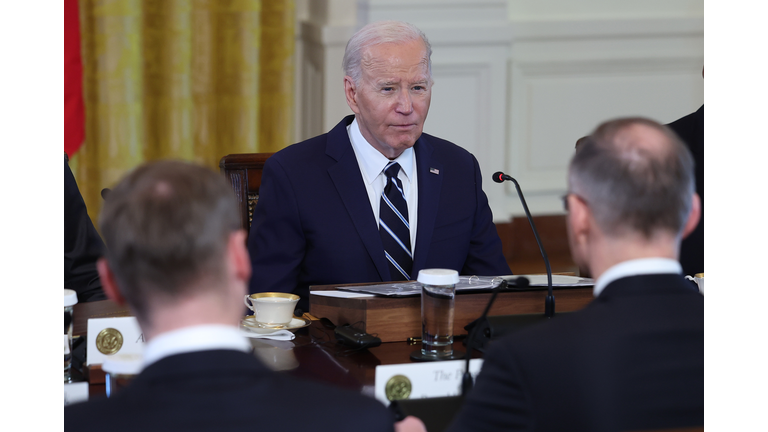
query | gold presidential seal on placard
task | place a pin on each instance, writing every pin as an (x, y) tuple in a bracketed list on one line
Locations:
[(109, 341), (398, 387)]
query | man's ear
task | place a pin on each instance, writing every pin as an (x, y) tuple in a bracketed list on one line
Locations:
[(108, 282), (240, 261), (693, 216), (580, 216), (350, 91), (579, 223)]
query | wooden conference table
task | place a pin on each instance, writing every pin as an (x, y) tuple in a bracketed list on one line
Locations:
[(315, 354)]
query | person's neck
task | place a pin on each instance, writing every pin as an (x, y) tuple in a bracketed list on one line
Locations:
[(188, 312), (612, 251)]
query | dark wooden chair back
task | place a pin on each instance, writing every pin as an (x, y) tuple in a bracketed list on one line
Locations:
[(244, 174)]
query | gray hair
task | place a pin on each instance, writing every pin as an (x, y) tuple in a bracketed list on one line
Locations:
[(377, 33), (166, 226), (634, 179)]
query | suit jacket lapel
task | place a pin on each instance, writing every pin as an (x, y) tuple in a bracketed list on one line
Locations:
[(348, 181), (429, 199)]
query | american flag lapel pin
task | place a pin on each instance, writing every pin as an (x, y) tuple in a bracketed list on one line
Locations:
[(434, 171)]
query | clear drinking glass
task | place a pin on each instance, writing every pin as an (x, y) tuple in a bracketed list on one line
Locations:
[(438, 293)]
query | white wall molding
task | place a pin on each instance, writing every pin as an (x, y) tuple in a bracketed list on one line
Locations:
[(323, 100), (562, 86), (615, 28), (428, 14)]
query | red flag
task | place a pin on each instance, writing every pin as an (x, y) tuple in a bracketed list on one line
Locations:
[(74, 112)]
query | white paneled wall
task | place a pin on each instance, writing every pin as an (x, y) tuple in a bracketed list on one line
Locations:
[(568, 77), (518, 82)]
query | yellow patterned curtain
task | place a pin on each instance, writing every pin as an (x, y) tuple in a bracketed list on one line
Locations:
[(186, 79)]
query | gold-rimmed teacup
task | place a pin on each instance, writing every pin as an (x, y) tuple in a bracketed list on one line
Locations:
[(272, 309), (699, 279)]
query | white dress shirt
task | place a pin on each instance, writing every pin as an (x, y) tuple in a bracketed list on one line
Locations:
[(634, 268), (372, 164), (196, 338)]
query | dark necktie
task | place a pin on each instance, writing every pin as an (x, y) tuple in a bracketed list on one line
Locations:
[(393, 226)]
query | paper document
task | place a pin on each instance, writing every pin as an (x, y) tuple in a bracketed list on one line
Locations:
[(559, 280), (341, 294), (466, 283), (404, 289)]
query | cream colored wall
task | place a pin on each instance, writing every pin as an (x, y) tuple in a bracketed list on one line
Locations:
[(603, 9)]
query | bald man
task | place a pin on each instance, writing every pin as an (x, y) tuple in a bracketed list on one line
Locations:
[(633, 359)]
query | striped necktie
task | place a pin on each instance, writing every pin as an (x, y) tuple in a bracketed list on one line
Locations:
[(393, 225)]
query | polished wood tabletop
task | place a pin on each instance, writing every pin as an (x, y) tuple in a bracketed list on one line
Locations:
[(321, 357), (315, 353)]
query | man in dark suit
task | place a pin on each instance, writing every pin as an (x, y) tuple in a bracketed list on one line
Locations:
[(82, 244), (374, 199), (633, 359), (177, 257), (691, 130)]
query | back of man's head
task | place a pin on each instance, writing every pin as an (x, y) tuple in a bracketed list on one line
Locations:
[(167, 226), (636, 176)]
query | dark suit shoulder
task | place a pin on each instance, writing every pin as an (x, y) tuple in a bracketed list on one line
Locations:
[(226, 390), (303, 152), (627, 305), (330, 146), (628, 361), (94, 415), (445, 146), (459, 161), (690, 129), (688, 126)]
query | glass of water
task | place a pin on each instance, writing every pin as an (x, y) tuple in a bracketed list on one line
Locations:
[(438, 293)]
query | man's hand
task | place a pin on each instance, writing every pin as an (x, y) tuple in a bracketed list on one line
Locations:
[(410, 424)]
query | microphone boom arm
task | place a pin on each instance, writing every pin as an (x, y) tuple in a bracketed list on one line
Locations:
[(549, 305)]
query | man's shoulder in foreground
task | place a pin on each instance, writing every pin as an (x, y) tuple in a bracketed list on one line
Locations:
[(225, 390), (629, 359), (629, 304)]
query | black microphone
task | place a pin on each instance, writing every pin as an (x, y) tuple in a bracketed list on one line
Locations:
[(549, 304), (105, 193), (499, 177)]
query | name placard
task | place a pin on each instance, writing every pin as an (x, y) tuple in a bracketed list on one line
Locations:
[(421, 380), (75, 392), (109, 336)]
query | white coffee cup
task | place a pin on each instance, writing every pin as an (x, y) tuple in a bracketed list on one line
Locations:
[(272, 309), (699, 279)]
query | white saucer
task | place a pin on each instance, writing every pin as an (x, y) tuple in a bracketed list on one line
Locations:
[(252, 325)]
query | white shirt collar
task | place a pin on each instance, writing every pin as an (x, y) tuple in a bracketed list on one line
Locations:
[(636, 267), (371, 161), (196, 338)]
